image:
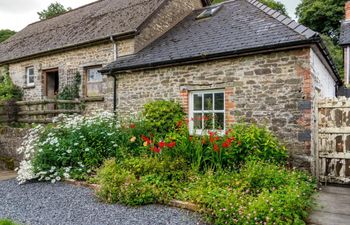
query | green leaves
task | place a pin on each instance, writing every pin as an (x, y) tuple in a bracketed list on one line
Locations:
[(53, 10), (162, 116), (6, 34)]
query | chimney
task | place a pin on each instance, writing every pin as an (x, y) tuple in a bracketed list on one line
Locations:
[(347, 11)]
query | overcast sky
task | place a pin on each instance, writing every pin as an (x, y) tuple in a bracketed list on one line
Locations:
[(16, 14)]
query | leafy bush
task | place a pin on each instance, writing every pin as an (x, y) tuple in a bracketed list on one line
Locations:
[(9, 91), (163, 115), (6, 222), (214, 151), (70, 92), (141, 180), (261, 193)]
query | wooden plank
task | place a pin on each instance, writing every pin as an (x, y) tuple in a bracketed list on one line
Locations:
[(49, 112), (333, 130), (35, 121), (334, 155)]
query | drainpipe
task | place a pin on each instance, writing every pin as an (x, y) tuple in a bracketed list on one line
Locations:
[(115, 76)]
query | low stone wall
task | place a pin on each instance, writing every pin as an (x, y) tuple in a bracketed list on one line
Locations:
[(10, 140)]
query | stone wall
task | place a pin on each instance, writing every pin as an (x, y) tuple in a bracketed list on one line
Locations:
[(273, 89), (68, 63), (10, 141)]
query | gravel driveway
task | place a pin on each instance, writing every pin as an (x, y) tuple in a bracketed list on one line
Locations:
[(56, 204)]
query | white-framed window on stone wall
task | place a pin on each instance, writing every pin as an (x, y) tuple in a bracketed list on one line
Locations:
[(207, 111), (93, 81), (30, 76)]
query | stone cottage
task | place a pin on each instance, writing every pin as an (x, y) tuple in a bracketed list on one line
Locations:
[(231, 61)]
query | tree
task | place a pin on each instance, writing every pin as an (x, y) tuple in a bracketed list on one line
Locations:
[(273, 4), (336, 53), (5, 34), (53, 10), (323, 16)]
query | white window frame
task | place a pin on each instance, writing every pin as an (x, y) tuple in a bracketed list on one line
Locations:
[(30, 84), (87, 74), (192, 111)]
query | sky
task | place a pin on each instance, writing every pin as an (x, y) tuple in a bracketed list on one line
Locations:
[(17, 14)]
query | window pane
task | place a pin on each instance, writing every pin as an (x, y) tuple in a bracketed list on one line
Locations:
[(94, 75), (219, 101), (219, 121), (208, 121), (197, 120), (208, 102), (197, 102), (30, 71), (31, 79)]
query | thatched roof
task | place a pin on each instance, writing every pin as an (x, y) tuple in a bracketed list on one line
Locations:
[(92, 22)]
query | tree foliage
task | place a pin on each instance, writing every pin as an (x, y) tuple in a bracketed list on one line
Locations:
[(273, 4), (5, 34), (53, 10), (323, 16), (336, 52)]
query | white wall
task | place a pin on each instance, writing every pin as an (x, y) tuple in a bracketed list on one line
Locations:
[(323, 80)]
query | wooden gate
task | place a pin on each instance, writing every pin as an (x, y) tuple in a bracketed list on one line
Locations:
[(333, 140)]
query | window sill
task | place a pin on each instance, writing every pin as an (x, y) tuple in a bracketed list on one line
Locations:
[(29, 87), (93, 99)]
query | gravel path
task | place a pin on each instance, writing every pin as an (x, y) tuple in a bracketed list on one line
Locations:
[(58, 204)]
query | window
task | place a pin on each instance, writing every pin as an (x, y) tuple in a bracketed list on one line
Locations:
[(30, 76), (93, 82), (209, 12), (207, 111), (93, 75)]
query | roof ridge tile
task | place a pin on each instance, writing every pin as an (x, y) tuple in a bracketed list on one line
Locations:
[(292, 24)]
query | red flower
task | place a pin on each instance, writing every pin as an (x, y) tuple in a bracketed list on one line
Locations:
[(155, 149), (146, 139), (171, 144), (161, 144), (132, 126), (216, 148), (239, 143), (179, 124), (204, 141), (226, 144), (212, 139), (191, 138)]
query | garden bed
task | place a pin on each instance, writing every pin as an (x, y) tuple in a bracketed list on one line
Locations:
[(233, 177)]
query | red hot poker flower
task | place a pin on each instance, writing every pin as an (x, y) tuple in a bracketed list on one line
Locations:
[(132, 126)]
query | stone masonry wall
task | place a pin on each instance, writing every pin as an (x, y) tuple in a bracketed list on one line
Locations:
[(272, 89), (10, 141), (167, 16), (68, 63)]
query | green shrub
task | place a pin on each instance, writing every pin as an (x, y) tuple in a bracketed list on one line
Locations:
[(163, 116), (9, 91), (228, 151), (141, 180), (7, 222), (260, 193), (70, 92)]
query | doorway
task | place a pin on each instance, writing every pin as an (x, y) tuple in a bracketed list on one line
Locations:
[(52, 83)]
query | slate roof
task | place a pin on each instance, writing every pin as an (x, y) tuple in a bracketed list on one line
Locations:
[(345, 33), (240, 26), (88, 23)]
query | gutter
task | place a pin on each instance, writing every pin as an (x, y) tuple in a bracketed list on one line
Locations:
[(230, 54), (116, 37)]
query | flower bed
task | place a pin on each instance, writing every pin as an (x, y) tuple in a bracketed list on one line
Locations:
[(235, 178)]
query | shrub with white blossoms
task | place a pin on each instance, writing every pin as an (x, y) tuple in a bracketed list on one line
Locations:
[(72, 147)]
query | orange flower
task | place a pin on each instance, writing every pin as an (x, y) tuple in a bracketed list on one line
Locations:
[(132, 126)]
